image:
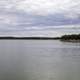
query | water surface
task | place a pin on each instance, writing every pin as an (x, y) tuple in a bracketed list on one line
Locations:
[(39, 60)]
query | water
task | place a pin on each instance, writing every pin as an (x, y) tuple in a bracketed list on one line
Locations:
[(39, 60)]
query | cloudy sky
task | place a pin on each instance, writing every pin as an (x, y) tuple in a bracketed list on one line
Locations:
[(39, 17)]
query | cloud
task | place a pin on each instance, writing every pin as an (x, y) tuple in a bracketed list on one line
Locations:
[(40, 32), (7, 19), (38, 16), (70, 8)]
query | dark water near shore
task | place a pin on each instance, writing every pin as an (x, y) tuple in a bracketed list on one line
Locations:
[(39, 60)]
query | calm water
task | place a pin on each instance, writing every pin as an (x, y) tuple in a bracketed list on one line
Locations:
[(39, 60)]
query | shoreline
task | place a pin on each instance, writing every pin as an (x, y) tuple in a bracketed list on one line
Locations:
[(30, 38), (33, 38), (64, 38)]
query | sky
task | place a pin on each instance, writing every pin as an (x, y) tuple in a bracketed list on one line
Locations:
[(39, 17)]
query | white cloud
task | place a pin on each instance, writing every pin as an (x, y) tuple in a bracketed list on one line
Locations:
[(7, 19), (71, 8), (45, 7)]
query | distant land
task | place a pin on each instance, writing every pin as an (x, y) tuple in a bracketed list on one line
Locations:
[(38, 38), (68, 38)]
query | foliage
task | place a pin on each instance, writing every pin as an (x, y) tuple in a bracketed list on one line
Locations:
[(71, 37)]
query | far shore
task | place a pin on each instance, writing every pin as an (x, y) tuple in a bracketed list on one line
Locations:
[(70, 38), (34, 38), (64, 38)]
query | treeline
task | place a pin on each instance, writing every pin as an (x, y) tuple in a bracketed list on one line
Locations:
[(38, 38), (64, 37), (71, 37)]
